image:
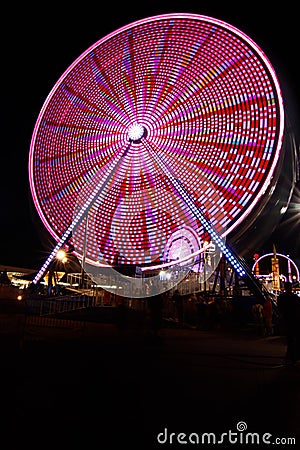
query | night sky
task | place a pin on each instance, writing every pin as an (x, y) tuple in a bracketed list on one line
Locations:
[(38, 45)]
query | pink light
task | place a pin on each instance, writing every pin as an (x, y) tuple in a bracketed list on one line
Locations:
[(170, 264), (200, 92)]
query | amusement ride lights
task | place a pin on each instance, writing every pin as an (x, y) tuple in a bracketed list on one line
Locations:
[(198, 91), (136, 133)]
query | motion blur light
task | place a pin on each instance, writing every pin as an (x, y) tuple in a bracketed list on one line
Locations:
[(135, 132), (165, 49)]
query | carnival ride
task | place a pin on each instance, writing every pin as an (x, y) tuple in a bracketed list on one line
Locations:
[(163, 138), (273, 269)]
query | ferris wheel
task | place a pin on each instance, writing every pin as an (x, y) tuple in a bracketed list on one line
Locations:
[(170, 124)]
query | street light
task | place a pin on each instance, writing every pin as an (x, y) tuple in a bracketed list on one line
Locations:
[(61, 256)]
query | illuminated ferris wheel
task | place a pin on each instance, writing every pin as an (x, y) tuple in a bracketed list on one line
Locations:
[(160, 119)]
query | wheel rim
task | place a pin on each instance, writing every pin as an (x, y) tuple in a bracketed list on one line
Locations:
[(196, 90)]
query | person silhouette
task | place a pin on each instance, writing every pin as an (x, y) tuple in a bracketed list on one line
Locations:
[(288, 304), (155, 305), (178, 303)]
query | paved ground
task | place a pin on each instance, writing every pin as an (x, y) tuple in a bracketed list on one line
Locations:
[(94, 387)]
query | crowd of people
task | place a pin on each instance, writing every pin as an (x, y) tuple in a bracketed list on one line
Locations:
[(201, 310), (205, 311), (208, 311)]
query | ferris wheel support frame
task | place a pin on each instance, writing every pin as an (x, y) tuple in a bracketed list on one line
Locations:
[(96, 193), (237, 263), (233, 259), (73, 107)]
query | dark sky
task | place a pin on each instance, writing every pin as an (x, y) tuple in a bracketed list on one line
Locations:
[(38, 45)]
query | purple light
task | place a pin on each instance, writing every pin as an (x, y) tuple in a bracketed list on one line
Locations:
[(198, 91)]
